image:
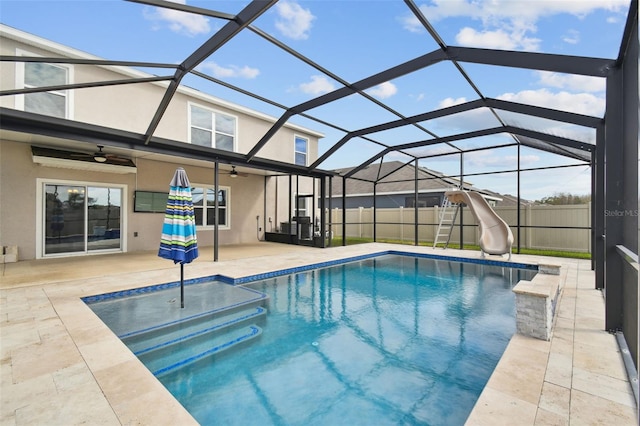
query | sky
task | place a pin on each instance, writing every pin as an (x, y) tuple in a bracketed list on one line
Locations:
[(354, 39)]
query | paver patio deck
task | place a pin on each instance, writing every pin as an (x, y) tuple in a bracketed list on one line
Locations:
[(60, 365)]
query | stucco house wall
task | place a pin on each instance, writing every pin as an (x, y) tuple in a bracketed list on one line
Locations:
[(130, 107)]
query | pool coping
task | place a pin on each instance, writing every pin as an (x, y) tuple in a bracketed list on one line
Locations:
[(294, 270)]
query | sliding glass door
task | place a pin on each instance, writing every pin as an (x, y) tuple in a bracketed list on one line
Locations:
[(81, 218), (103, 217)]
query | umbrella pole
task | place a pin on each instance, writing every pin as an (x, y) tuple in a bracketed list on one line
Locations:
[(182, 285)]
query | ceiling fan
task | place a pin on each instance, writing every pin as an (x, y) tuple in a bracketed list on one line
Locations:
[(102, 157), (234, 173)]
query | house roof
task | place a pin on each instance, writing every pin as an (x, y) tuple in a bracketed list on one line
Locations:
[(395, 177), (507, 200)]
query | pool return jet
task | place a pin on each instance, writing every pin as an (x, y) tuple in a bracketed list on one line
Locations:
[(495, 234)]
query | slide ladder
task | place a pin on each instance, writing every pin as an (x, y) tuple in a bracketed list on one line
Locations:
[(448, 215)]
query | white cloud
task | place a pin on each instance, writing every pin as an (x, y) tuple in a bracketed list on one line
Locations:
[(487, 159), (580, 103), (475, 119), (481, 118), (447, 102), (318, 85), (491, 11), (384, 90), (505, 24), (293, 21), (540, 184), (575, 180), (505, 39), (571, 37), (230, 71), (498, 39), (179, 22), (580, 83)]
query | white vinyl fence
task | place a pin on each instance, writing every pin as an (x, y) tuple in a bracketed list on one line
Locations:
[(541, 225)]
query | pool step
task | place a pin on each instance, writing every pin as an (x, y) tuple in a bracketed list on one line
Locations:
[(171, 357), (177, 332)]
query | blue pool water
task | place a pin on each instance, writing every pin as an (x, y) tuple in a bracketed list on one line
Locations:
[(386, 340)]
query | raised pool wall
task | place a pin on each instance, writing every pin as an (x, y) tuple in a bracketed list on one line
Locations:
[(536, 302)]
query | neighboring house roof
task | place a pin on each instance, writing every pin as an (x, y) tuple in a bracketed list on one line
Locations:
[(507, 200), (395, 177)]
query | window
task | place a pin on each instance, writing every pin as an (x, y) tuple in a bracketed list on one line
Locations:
[(212, 129), (33, 74), (302, 205), (204, 206), (423, 201), (301, 150)]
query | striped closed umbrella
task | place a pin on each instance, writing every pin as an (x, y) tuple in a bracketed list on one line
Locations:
[(179, 242)]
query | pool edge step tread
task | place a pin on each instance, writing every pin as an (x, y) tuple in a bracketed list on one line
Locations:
[(217, 312), (256, 313), (253, 332)]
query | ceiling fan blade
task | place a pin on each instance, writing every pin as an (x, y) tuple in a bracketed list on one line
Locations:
[(118, 159), (234, 173)]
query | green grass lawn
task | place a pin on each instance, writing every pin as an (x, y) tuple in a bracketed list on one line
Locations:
[(337, 241)]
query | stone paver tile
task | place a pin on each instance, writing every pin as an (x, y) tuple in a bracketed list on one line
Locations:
[(495, 408), (590, 323), (530, 343), (51, 328), (22, 394), (589, 306), (19, 313), (562, 346), (44, 312), (8, 419), (565, 311), (548, 418), (561, 331), (43, 358), (567, 306), (84, 404), (555, 399), (605, 361), (131, 389), (594, 337), (17, 336), (587, 409), (70, 308), (520, 373), (106, 353), (92, 333), (73, 377), (606, 387), (559, 369)]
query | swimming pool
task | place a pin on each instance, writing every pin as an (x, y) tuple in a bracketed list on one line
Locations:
[(392, 339)]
